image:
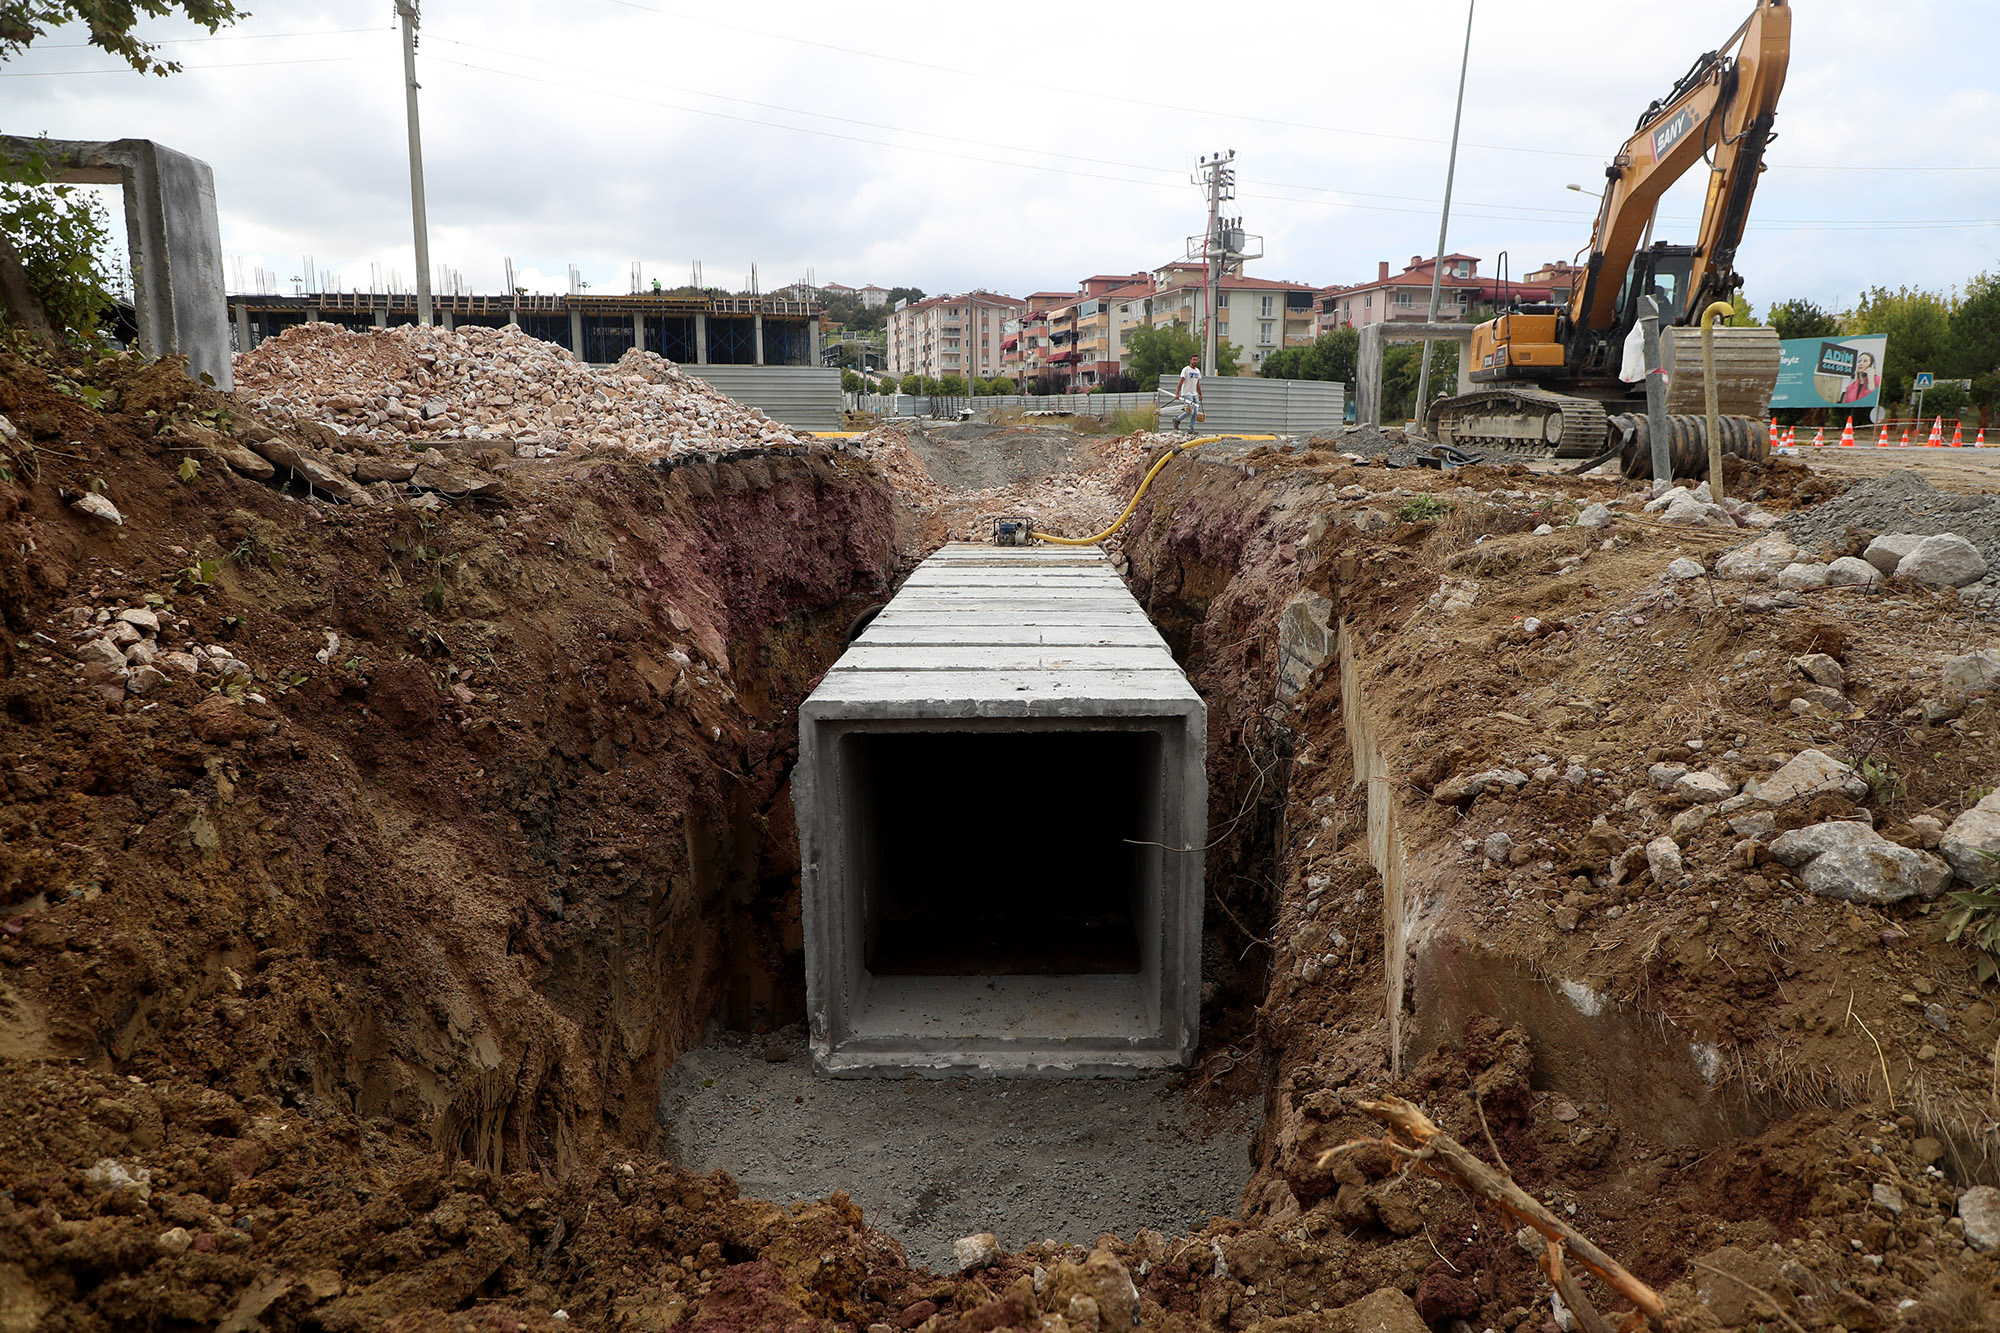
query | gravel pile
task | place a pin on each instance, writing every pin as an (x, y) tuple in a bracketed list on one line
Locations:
[(1899, 502), (1374, 442), (414, 384)]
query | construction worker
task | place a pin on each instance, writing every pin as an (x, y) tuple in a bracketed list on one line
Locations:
[(1187, 394)]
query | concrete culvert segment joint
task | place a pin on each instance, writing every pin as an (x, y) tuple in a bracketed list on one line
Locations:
[(996, 788)]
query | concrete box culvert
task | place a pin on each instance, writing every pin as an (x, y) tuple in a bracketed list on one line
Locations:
[(1001, 796)]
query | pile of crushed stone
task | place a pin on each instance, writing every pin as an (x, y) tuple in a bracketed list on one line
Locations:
[(1900, 502), (414, 384)]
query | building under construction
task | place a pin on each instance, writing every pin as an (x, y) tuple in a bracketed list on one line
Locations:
[(689, 328)]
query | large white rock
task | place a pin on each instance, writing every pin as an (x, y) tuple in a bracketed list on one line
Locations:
[(1849, 572), (1972, 843), (1877, 872), (1594, 516), (1888, 550), (1947, 560), (1821, 669), (1762, 559), (1801, 845), (1693, 513), (1977, 670), (1811, 773), (1684, 568), (1663, 858), (1802, 576), (1705, 787), (1979, 1209)]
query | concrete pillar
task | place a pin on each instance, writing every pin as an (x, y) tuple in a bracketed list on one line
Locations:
[(1368, 377), (812, 343), (700, 338), (379, 317), (1465, 384), (243, 343), (312, 314), (757, 339), (444, 320), (576, 333), (639, 330)]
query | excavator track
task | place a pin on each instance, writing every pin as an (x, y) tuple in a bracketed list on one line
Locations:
[(1527, 423)]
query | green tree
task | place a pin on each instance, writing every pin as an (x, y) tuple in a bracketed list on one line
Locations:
[(1917, 324), (50, 238), (1400, 364), (851, 382), (110, 23), (888, 385), (1287, 363), (1228, 358), (1800, 318), (1160, 351), (1975, 341), (1000, 385), (913, 383), (950, 386)]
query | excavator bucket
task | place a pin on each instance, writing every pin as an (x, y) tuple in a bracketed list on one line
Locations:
[(1746, 371)]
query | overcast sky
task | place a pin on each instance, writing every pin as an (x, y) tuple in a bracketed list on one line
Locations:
[(1022, 149)]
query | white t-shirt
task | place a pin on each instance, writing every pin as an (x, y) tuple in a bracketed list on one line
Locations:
[(1189, 384)]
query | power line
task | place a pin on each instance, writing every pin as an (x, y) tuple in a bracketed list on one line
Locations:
[(216, 37), (188, 69)]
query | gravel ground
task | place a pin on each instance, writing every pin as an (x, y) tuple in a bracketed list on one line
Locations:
[(1903, 501), (932, 1160)]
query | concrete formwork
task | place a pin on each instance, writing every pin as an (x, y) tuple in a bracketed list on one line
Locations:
[(1001, 796)]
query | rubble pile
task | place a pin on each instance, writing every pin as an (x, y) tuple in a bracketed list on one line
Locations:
[(415, 385), (1076, 502)]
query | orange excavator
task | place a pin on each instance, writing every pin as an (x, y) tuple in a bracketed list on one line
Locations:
[(1548, 375)]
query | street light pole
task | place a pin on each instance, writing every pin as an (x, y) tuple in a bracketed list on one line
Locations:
[(1444, 220), (407, 11)]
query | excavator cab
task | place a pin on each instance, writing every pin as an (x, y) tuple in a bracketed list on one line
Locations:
[(1664, 272)]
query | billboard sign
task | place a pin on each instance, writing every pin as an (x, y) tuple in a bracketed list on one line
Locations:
[(1830, 372)]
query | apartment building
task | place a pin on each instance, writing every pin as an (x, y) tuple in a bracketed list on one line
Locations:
[(950, 335), (1407, 295), (1258, 315)]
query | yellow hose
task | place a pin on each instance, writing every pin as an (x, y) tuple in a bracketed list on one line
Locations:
[(1153, 472)]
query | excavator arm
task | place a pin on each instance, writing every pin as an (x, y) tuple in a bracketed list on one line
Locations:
[(1721, 111)]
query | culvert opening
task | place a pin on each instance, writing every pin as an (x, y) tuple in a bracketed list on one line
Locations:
[(1013, 890), (977, 853)]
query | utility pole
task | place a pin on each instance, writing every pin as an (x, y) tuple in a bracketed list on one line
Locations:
[(1444, 221), (1220, 177), (407, 11)]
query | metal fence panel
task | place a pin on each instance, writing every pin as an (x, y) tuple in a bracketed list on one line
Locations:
[(807, 397)]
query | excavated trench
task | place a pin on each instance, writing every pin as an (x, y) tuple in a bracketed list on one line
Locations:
[(989, 865)]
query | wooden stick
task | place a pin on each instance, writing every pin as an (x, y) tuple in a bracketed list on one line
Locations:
[(1551, 1264), (1414, 1135)]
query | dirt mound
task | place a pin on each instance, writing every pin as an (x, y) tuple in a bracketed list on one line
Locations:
[(1900, 502), (413, 384)]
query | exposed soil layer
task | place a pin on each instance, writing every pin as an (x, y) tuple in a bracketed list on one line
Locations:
[(337, 993)]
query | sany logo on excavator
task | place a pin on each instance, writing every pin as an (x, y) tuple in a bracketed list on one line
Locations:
[(1671, 133)]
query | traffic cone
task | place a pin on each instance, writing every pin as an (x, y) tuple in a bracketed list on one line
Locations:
[(1847, 434), (1958, 435), (1791, 438), (1904, 443), (1775, 441), (1819, 438), (1936, 441), (1980, 441)]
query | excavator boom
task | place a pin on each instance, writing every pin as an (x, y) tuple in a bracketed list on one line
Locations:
[(1721, 111)]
